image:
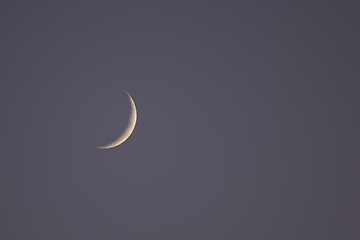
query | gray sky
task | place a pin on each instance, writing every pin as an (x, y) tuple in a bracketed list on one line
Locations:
[(248, 120)]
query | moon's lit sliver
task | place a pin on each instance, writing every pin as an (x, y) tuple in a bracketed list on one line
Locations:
[(129, 128)]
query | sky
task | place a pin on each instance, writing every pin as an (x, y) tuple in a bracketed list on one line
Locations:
[(248, 120)]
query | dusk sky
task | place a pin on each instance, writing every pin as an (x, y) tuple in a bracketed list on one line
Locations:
[(247, 129)]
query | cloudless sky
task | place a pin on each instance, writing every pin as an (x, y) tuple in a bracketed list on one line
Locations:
[(248, 120)]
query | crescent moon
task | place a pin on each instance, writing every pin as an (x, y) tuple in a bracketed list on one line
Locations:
[(129, 129)]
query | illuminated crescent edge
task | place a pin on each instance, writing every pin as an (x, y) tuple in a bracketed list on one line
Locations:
[(129, 129)]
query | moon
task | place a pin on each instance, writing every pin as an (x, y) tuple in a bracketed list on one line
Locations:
[(129, 128)]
